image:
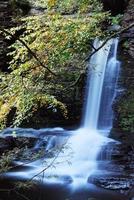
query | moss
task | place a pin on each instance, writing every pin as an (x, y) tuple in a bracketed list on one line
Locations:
[(125, 111), (124, 106)]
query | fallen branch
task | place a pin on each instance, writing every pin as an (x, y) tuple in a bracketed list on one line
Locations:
[(29, 50)]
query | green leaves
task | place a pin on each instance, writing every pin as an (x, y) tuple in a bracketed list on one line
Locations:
[(61, 43)]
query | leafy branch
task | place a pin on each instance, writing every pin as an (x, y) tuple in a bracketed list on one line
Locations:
[(29, 50)]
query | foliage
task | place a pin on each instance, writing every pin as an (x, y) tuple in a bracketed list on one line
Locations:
[(69, 6), (5, 162), (116, 20), (25, 185), (22, 152), (62, 43), (6, 159)]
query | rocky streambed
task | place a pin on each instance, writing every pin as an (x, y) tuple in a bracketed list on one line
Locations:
[(115, 161), (116, 169)]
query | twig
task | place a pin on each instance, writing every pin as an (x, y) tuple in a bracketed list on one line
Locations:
[(75, 82), (21, 195), (51, 163)]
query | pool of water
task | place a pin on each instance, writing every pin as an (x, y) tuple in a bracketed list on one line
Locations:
[(57, 192)]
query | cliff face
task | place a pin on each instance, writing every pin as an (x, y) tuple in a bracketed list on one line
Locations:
[(5, 22), (122, 155), (124, 106), (129, 35), (115, 6)]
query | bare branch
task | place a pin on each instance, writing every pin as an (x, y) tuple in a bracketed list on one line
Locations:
[(76, 82), (51, 163)]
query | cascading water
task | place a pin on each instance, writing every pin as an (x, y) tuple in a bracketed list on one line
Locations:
[(88, 140), (81, 149), (95, 78), (109, 89)]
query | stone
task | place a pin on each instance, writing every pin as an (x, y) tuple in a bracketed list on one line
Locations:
[(115, 7), (128, 18), (10, 142), (112, 183)]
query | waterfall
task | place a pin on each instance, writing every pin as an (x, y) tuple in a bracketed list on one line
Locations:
[(101, 86), (109, 91), (88, 140), (95, 78), (78, 159)]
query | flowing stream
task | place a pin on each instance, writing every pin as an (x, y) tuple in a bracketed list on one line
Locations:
[(75, 152)]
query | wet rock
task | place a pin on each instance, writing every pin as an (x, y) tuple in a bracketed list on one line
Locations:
[(114, 27), (127, 20), (123, 107), (131, 193), (112, 183), (3, 146), (92, 198), (10, 142), (115, 7), (117, 169), (37, 11)]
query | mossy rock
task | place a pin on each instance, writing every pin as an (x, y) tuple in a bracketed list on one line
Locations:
[(126, 112)]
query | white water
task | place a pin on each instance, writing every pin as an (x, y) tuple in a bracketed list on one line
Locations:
[(78, 158), (86, 144), (98, 63), (109, 90)]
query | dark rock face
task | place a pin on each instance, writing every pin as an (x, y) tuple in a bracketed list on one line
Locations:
[(123, 106), (5, 22), (115, 6), (129, 35), (113, 183), (116, 168), (116, 161), (9, 143)]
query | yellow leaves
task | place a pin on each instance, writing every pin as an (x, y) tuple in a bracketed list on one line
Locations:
[(6, 107), (61, 42), (52, 3), (4, 111)]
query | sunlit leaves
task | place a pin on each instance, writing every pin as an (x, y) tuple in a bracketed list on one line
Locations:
[(62, 43)]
